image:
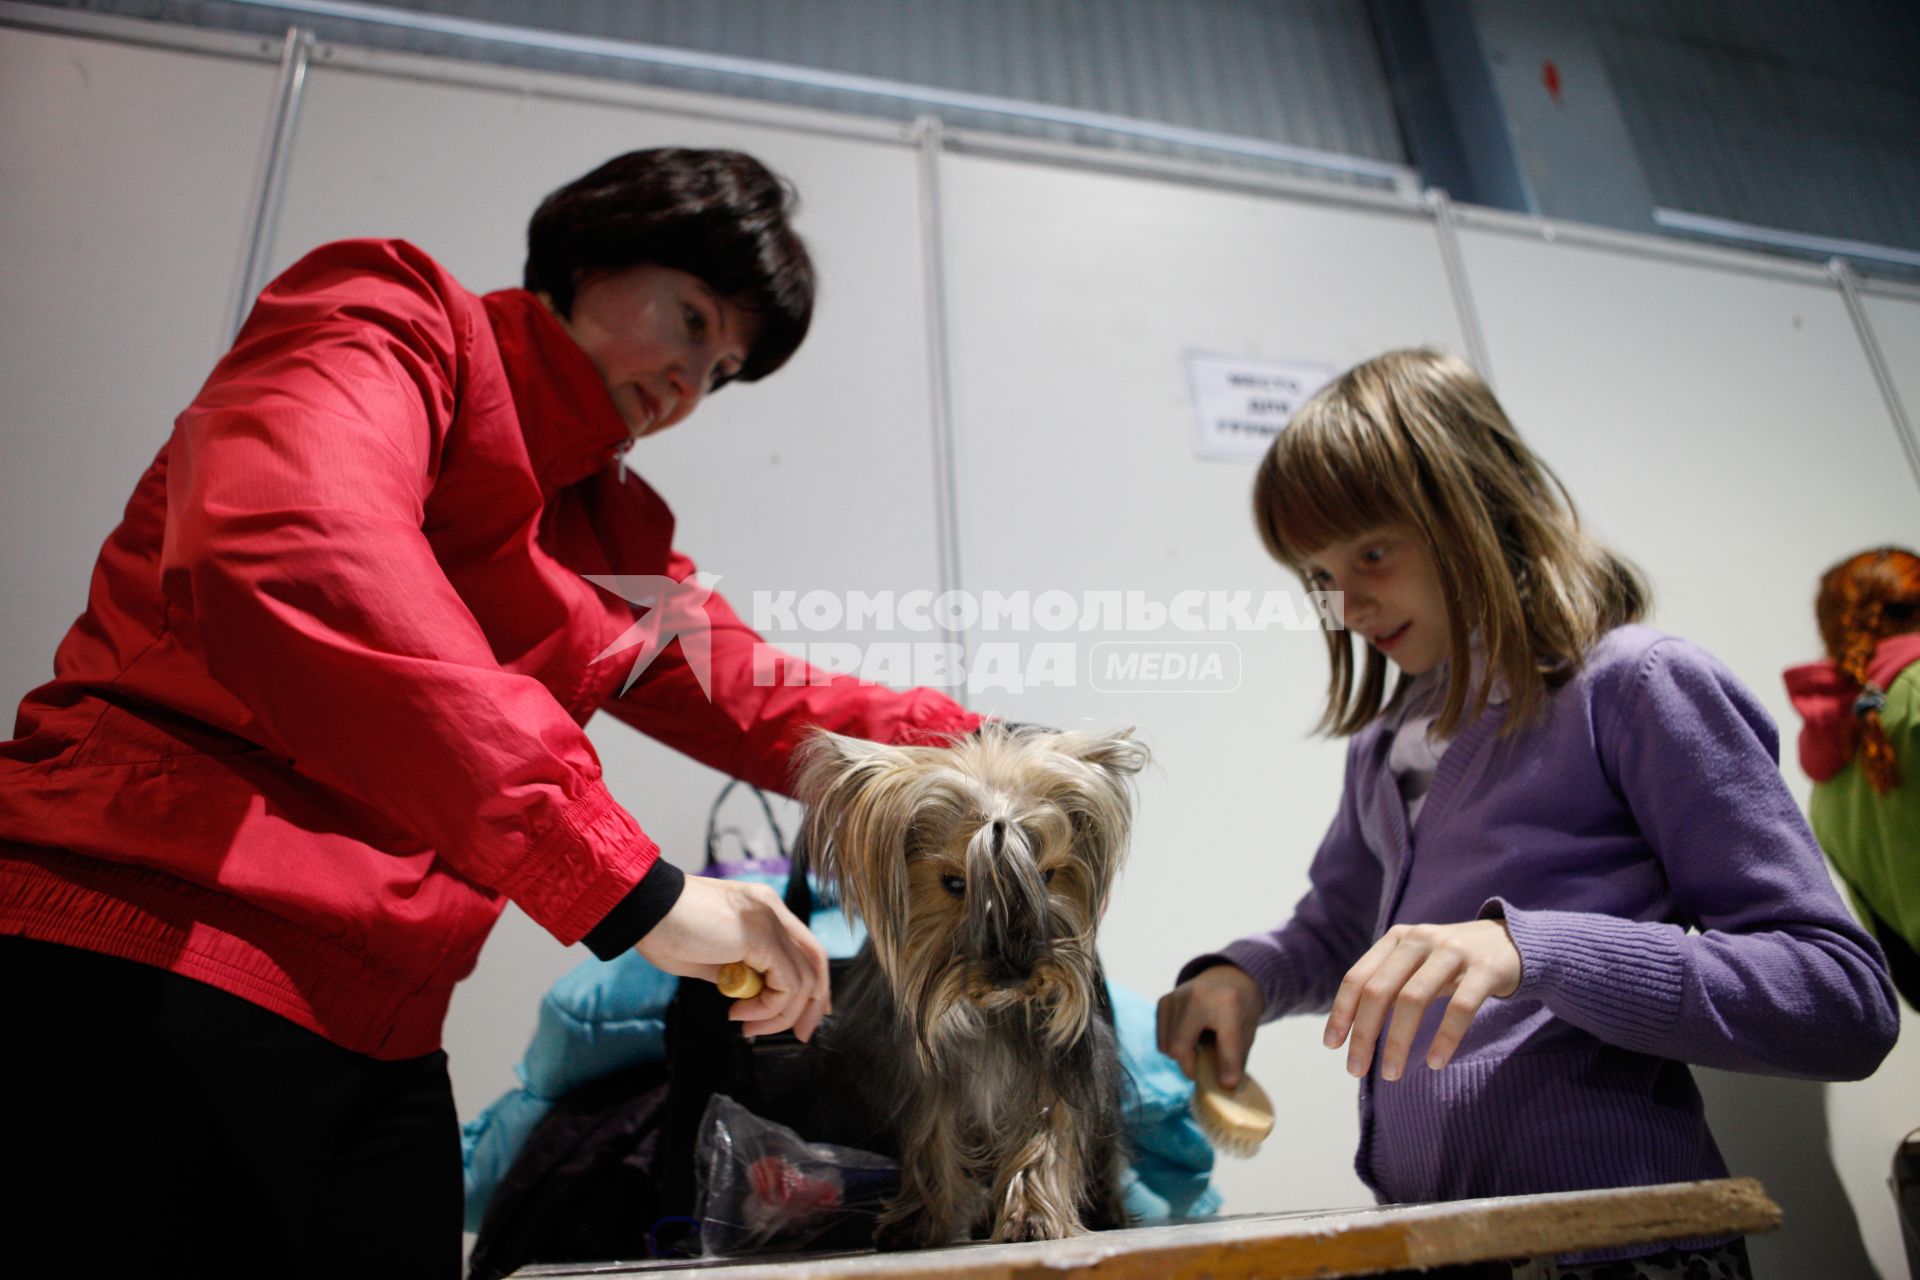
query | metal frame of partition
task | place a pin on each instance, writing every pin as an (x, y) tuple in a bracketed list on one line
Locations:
[(1446, 227), (946, 488), (930, 138), (1843, 276), (132, 31), (295, 54), (1658, 248), (923, 96), (1747, 235)]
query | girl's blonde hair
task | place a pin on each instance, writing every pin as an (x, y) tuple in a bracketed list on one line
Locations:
[(1417, 438)]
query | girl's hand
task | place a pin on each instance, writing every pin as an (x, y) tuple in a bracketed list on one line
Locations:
[(1223, 1000), (1407, 970), (719, 922)]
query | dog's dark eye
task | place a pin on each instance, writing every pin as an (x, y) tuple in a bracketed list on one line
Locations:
[(1046, 877), (954, 885)]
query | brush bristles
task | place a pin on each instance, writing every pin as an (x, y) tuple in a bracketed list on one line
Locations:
[(1237, 1120)]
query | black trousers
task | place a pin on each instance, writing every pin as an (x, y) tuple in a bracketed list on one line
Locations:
[(152, 1124)]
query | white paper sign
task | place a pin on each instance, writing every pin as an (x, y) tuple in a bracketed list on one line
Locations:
[(1239, 405)]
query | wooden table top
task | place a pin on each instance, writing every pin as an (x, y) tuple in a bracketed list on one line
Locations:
[(1351, 1242)]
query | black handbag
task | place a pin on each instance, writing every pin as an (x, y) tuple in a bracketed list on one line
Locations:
[(776, 1077), (608, 1171), (586, 1186)]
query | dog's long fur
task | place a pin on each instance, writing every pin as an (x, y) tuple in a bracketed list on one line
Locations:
[(976, 1018)]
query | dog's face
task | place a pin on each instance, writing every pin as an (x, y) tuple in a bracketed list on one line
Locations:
[(980, 869)]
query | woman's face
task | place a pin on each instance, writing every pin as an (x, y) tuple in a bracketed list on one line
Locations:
[(661, 339), (1393, 596)]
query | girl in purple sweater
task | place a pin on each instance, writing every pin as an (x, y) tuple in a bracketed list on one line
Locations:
[(1564, 863)]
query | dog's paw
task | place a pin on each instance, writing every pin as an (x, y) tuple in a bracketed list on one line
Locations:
[(892, 1237), (1019, 1225)]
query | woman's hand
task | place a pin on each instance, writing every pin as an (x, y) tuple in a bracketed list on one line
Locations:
[(1223, 1000), (1407, 970), (719, 922)]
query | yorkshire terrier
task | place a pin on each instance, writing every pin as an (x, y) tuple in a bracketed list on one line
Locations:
[(976, 1019)]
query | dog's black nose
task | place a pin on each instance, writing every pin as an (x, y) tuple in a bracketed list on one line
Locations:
[(1007, 976)]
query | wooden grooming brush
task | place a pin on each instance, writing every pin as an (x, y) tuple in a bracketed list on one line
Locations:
[(739, 981), (1237, 1120)]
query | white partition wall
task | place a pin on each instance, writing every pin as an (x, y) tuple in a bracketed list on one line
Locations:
[(123, 233), (819, 478), (1073, 299)]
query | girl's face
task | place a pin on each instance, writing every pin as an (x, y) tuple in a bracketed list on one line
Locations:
[(1392, 593), (661, 339)]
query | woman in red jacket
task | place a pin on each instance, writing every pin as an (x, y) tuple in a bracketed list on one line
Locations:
[(323, 718)]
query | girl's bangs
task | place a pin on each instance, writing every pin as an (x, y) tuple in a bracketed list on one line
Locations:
[(1322, 484)]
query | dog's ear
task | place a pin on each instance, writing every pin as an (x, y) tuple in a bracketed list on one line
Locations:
[(830, 773), (1117, 752), (1099, 801), (824, 752), (858, 811)]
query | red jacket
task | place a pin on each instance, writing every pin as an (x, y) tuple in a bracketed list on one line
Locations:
[(322, 716)]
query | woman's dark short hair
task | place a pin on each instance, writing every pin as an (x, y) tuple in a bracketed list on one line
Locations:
[(718, 215)]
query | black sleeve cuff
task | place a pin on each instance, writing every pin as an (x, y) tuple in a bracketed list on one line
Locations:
[(1199, 965), (634, 916)]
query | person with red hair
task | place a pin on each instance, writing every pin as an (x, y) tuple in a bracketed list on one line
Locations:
[(1861, 745)]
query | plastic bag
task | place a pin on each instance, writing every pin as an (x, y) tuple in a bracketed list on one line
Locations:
[(761, 1188)]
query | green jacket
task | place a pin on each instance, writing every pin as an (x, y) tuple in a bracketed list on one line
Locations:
[(1872, 840)]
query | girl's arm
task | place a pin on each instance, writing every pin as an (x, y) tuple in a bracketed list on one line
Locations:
[(1775, 976)]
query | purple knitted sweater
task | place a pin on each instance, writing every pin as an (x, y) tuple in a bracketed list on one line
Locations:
[(1669, 905)]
